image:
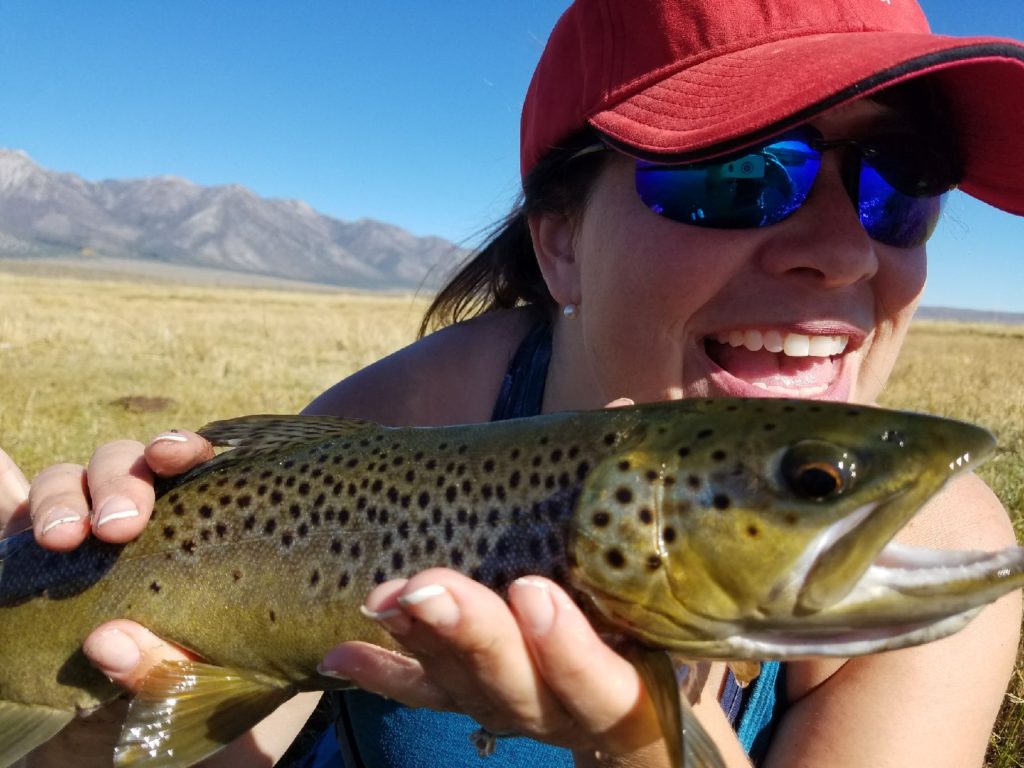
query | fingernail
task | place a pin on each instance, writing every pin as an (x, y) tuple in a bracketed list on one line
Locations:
[(58, 517), (169, 437), (116, 508), (532, 602), (393, 619), (113, 652), (333, 675), (432, 604)]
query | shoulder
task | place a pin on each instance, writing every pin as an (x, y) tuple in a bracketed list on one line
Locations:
[(451, 376), (966, 514)]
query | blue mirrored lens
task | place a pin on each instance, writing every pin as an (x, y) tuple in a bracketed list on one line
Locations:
[(752, 190), (893, 217)]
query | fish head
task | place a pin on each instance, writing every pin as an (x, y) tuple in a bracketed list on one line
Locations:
[(763, 529)]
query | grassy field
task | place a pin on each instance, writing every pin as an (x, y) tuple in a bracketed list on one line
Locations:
[(83, 361)]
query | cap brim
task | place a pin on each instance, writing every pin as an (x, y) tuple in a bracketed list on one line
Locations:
[(729, 101)]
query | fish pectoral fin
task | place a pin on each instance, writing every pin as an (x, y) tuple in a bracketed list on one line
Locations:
[(688, 744), (23, 727), (188, 710), (744, 671)]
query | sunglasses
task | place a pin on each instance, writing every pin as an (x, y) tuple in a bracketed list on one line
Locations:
[(897, 183)]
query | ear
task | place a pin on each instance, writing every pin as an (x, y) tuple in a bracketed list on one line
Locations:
[(554, 243)]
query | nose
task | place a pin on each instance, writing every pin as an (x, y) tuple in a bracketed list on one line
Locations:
[(824, 240)]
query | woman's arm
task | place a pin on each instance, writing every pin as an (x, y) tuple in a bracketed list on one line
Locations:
[(931, 705)]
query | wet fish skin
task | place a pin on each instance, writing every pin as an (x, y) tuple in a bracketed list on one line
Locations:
[(259, 559)]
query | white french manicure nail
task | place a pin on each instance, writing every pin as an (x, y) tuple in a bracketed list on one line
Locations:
[(60, 516), (390, 613), (116, 508), (169, 437), (422, 594)]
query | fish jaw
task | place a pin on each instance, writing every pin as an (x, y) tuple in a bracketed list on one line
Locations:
[(771, 576)]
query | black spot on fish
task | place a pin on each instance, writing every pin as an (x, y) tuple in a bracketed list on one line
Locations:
[(319, 500), (669, 534), (625, 465), (384, 515), (534, 479), (379, 577), (397, 561), (288, 463), (179, 509), (290, 481), (188, 546), (451, 493), (295, 511), (623, 495), (556, 455), (487, 491), (449, 530), (500, 491), (287, 539), (377, 485), (398, 461), (515, 454), (304, 469), (236, 575), (753, 531), (582, 469), (536, 461), (270, 526), (303, 530), (431, 545), (355, 551), (646, 516), (173, 496), (418, 456), (615, 558), (361, 503), (683, 452), (653, 562), (314, 578), (601, 519), (241, 482), (669, 480), (694, 482), (423, 526), (273, 616), (261, 490), (483, 546), (303, 489), (168, 532), (276, 497), (343, 580), (431, 464), (410, 476), (393, 494), (488, 465), (461, 515), (461, 470), (344, 516), (768, 427), (718, 455), (549, 482), (514, 479), (423, 499), (336, 546), (789, 409), (386, 540), (609, 439), (435, 515), (250, 522), (244, 500), (705, 433), (721, 501), (371, 514), (493, 516), (317, 471), (205, 534), (456, 557), (264, 474), (154, 587)]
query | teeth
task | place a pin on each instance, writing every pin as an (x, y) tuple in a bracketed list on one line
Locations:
[(792, 344)]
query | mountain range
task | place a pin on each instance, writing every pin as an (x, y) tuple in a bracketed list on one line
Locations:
[(173, 221)]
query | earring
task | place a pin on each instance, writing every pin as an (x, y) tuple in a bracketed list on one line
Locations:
[(569, 311)]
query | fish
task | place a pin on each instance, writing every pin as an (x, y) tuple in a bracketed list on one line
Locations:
[(688, 531)]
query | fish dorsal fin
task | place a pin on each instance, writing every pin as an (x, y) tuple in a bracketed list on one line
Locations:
[(744, 671), (24, 727), (688, 744), (187, 710), (262, 434), (253, 436)]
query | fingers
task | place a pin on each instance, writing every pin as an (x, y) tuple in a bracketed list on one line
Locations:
[(126, 652), (13, 497), (59, 507), (176, 451), (121, 488), (538, 670), (600, 690)]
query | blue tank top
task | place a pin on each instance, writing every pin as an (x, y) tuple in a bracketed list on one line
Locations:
[(374, 732)]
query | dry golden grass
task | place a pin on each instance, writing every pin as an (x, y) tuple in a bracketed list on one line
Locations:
[(83, 361)]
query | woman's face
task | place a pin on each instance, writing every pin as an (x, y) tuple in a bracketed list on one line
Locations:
[(669, 310)]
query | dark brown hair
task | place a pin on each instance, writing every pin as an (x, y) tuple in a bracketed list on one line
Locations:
[(503, 272)]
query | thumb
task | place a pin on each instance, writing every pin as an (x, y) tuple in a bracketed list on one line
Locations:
[(126, 652)]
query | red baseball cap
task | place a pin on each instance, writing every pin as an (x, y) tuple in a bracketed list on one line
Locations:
[(690, 79)]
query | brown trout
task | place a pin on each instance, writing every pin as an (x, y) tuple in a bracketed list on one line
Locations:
[(718, 529)]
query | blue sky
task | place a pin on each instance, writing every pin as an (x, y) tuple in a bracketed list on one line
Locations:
[(402, 110)]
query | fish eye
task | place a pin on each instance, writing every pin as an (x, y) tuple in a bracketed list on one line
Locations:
[(817, 470)]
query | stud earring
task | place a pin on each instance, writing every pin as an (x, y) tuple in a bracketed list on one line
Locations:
[(569, 311)]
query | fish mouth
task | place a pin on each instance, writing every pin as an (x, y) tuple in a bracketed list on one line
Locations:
[(779, 363)]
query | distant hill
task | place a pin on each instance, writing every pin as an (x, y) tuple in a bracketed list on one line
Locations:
[(950, 314), (173, 221)]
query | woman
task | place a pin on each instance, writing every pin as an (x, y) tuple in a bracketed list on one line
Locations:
[(789, 264)]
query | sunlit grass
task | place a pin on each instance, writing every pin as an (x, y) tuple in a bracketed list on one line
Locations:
[(72, 350)]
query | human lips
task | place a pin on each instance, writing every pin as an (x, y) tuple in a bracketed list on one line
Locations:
[(781, 362)]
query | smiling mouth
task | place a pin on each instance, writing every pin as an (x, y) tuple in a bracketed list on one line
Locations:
[(782, 363)]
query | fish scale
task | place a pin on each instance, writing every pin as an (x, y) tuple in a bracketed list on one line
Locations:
[(701, 527)]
